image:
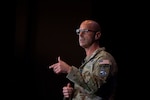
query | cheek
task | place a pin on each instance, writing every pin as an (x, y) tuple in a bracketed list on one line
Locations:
[(90, 38)]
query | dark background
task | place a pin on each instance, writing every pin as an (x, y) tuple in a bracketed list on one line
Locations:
[(36, 32)]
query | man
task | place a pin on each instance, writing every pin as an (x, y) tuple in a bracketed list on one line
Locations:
[(96, 77)]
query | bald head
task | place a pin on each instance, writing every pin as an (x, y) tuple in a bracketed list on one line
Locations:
[(92, 25)]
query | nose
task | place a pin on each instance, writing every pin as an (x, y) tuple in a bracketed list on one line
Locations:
[(81, 33)]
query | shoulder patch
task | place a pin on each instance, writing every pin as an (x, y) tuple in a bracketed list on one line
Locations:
[(103, 73), (104, 70)]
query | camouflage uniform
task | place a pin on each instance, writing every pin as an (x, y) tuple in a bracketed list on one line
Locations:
[(90, 79)]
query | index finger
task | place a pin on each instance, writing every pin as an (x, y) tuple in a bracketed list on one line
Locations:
[(52, 66)]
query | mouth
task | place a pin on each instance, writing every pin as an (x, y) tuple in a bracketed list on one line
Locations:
[(81, 40)]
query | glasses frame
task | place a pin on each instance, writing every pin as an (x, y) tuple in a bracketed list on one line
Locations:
[(83, 30)]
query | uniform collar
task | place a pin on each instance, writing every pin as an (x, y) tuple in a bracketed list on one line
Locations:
[(94, 53)]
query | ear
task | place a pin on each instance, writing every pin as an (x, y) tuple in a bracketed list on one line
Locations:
[(97, 35)]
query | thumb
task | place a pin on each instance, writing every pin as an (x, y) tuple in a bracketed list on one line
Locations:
[(59, 59), (68, 85)]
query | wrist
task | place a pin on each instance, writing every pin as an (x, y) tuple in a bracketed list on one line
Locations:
[(69, 69)]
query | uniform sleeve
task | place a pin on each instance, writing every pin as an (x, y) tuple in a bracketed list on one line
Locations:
[(76, 77), (90, 82)]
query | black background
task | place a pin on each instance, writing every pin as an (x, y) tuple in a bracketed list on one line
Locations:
[(35, 32)]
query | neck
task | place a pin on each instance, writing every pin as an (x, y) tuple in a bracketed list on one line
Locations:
[(91, 49)]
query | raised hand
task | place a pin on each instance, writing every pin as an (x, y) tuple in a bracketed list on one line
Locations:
[(60, 67)]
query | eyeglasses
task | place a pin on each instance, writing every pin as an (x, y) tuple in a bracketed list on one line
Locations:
[(84, 31)]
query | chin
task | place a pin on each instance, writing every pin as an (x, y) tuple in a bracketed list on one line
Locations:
[(83, 46)]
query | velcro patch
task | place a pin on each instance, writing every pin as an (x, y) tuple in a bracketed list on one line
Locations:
[(104, 62)]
